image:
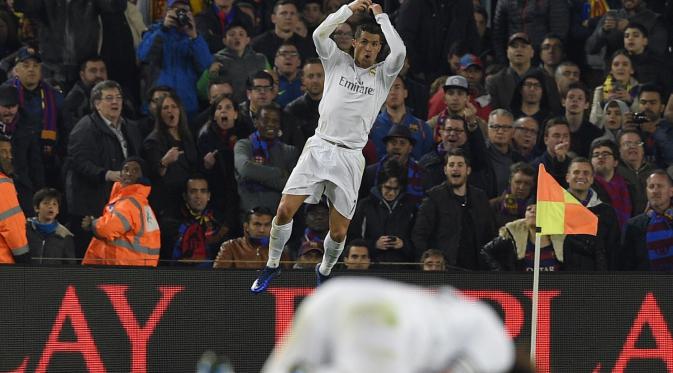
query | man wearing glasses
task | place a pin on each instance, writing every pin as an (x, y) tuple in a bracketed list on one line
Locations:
[(524, 140), (500, 153), (633, 166), (332, 162), (260, 92), (97, 147)]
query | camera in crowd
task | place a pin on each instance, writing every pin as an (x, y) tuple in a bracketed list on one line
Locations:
[(182, 18), (640, 117)]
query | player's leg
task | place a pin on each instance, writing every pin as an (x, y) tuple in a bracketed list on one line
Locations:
[(281, 226), (281, 230), (334, 241)]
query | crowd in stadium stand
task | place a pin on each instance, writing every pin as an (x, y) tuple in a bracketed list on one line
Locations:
[(191, 125)]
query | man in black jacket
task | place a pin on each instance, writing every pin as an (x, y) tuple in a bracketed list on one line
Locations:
[(303, 111), (455, 218), (97, 147)]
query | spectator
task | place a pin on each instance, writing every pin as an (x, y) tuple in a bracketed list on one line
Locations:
[(287, 66), (514, 249), (619, 84), (343, 37), (614, 117), (312, 14), (216, 157), (501, 86), (633, 166), (260, 92), (484, 31), (356, 255), (43, 103), (557, 142), (395, 113), (582, 132), (263, 163), (13, 242), (457, 100), (284, 19), (155, 95), (500, 154), (610, 30), (175, 54), (97, 146), (458, 205), (25, 166), (551, 54), (646, 236), (649, 67), (433, 261), (538, 19), (580, 178), (171, 155), (384, 218), (216, 87), (193, 236), (567, 72), (308, 257), (70, 31), (234, 62), (525, 136), (303, 111), (611, 188), (214, 21), (429, 28), (251, 250), (530, 97), (48, 240), (657, 131), (511, 204), (76, 103), (399, 144), (128, 232), (471, 68), (317, 226)]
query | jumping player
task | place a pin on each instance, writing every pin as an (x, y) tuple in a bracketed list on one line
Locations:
[(331, 162)]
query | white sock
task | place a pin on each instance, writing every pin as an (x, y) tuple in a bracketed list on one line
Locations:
[(333, 250), (280, 234)]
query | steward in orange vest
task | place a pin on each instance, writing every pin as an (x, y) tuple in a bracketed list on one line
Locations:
[(127, 233), (13, 241)]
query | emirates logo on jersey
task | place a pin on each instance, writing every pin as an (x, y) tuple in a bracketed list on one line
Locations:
[(356, 87)]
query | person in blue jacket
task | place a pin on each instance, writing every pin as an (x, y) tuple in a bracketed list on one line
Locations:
[(174, 53)]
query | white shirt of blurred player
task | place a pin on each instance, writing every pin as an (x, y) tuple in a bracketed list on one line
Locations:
[(358, 325)]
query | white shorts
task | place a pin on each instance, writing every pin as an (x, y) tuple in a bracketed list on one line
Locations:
[(325, 168)]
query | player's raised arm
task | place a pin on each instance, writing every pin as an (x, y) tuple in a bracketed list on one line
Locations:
[(398, 51), (323, 44)]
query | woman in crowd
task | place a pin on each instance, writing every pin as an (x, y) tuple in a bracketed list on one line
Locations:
[(215, 145), (514, 249), (619, 84), (614, 117), (171, 155)]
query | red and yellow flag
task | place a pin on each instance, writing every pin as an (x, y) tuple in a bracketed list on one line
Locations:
[(558, 212), (598, 8)]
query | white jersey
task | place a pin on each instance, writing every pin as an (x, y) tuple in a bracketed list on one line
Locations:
[(353, 96), (357, 325)]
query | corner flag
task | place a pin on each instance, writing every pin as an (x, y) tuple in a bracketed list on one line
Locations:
[(558, 212)]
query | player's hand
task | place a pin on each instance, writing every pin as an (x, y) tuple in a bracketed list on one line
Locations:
[(360, 5), (376, 9)]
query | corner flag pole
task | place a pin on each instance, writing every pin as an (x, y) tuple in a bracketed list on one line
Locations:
[(536, 283)]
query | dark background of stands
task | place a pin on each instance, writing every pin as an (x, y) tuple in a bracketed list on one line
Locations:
[(590, 316)]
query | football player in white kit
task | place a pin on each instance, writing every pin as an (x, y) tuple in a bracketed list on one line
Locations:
[(358, 325), (331, 162)]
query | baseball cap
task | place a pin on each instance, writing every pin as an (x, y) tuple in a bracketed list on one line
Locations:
[(456, 81), (399, 131), (27, 53), (9, 96), (518, 36), (170, 3), (470, 60), (306, 247)]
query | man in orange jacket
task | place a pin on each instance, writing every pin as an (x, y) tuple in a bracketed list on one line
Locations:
[(13, 241), (128, 232)]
